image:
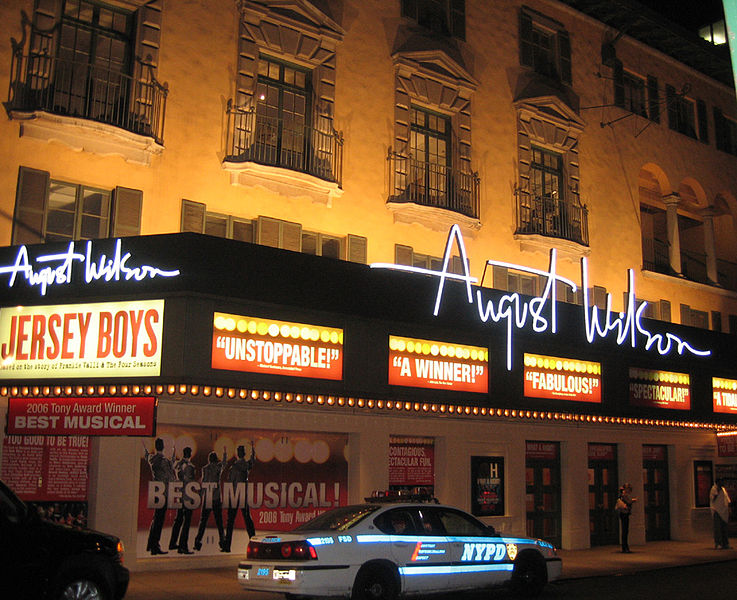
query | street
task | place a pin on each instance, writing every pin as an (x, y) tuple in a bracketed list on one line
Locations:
[(715, 581)]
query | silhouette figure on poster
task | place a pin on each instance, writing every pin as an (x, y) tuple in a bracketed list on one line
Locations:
[(185, 472), (211, 473), (238, 473), (162, 471)]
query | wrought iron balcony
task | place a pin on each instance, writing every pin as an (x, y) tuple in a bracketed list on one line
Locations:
[(290, 144), (39, 82), (553, 217), (435, 185), (655, 256)]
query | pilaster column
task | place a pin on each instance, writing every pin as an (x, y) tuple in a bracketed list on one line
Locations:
[(709, 245), (674, 239)]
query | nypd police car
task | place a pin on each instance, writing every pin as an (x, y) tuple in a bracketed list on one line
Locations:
[(378, 551)]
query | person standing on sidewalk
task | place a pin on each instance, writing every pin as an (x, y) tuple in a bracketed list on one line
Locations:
[(624, 508), (719, 504)]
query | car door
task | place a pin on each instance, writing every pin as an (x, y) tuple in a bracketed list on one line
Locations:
[(420, 552), (478, 556)]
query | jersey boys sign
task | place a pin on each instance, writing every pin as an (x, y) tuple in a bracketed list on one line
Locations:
[(117, 339), (660, 389), (562, 378), (438, 365), (260, 345)]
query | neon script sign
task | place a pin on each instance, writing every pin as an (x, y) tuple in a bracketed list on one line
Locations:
[(57, 269), (540, 312)]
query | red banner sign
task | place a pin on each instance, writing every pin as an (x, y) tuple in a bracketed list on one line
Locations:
[(660, 389), (562, 378), (82, 416), (725, 395), (258, 345), (727, 445), (412, 462), (602, 452), (438, 365), (542, 450), (46, 468)]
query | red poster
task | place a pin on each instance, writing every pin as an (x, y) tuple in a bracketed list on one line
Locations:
[(294, 476), (657, 453), (412, 463), (602, 452), (438, 365), (562, 379), (46, 468), (727, 445), (542, 450), (82, 416), (660, 389), (260, 345), (725, 395)]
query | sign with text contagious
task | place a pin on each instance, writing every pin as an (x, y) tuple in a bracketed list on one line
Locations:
[(562, 378), (438, 365), (660, 389), (116, 339), (259, 345), (725, 395)]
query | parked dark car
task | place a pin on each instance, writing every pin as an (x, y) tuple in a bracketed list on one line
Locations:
[(40, 559)]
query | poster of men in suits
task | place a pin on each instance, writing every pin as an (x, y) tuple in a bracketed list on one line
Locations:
[(219, 477)]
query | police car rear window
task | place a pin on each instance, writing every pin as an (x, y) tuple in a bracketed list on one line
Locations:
[(339, 519)]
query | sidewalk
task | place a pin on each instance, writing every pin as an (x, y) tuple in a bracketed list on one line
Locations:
[(220, 583)]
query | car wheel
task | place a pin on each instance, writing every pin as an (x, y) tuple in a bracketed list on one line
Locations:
[(81, 588), (375, 582), (530, 575)]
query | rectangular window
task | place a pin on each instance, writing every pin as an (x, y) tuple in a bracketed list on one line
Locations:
[(725, 132), (545, 46), (680, 112), (320, 244), (430, 153), (49, 210), (444, 17), (653, 99), (405, 255), (634, 94)]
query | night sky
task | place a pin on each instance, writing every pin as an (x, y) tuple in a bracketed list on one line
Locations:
[(690, 14)]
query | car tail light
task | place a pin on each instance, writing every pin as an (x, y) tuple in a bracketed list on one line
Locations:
[(121, 551), (297, 550)]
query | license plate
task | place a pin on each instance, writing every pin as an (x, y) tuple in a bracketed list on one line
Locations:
[(285, 576)]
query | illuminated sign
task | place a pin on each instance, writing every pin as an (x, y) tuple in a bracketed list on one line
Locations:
[(484, 552), (82, 416), (260, 345), (58, 269), (104, 339), (438, 365), (562, 378), (660, 389), (540, 312), (725, 395)]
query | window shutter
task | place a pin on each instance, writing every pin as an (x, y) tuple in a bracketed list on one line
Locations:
[(30, 206), (458, 19), (409, 8), (564, 56), (243, 230), (665, 310), (670, 100), (193, 216), (618, 83), (291, 236), (733, 324), (653, 99), (703, 121), (716, 320), (685, 314), (357, 248), (525, 40), (127, 206), (719, 129), (403, 255), (268, 232), (500, 278)]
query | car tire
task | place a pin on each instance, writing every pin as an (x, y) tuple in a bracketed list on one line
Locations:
[(375, 582), (81, 586), (530, 575)]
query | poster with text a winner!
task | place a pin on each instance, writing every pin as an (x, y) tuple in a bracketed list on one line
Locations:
[(294, 477)]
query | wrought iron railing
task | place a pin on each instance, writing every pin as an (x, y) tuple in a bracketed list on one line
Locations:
[(430, 184), (39, 82), (727, 274), (552, 217), (655, 256), (315, 149)]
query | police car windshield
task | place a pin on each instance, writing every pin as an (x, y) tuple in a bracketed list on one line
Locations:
[(339, 519)]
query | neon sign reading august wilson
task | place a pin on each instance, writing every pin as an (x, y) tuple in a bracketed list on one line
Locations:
[(540, 312)]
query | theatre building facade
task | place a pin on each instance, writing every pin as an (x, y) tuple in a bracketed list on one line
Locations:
[(479, 249)]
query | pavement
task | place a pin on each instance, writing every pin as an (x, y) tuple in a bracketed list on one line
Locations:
[(220, 583)]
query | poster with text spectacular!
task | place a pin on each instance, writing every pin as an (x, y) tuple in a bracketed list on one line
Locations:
[(116, 339), (562, 378), (660, 389), (438, 365), (259, 345)]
